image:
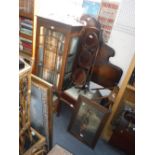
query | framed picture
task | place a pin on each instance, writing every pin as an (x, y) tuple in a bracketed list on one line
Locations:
[(87, 121), (91, 7), (40, 108)]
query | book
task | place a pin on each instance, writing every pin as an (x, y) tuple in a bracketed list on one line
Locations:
[(26, 40), (25, 20), (26, 25), (28, 50), (27, 45), (26, 31)]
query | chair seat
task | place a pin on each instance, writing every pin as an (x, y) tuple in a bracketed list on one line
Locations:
[(70, 96), (75, 92)]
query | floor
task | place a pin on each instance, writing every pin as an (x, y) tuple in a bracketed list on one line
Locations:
[(64, 138)]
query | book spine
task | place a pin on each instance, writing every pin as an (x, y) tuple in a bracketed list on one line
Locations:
[(27, 45), (26, 40), (26, 31), (27, 49), (27, 21), (26, 25)]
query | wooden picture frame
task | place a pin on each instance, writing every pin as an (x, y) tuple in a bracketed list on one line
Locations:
[(41, 108), (87, 121)]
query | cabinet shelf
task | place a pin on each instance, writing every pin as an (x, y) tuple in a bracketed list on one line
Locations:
[(26, 15), (26, 52)]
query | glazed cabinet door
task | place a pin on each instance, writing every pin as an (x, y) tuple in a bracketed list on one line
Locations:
[(50, 52), (56, 46)]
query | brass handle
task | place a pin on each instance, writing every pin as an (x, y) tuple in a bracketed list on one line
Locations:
[(52, 27), (71, 105)]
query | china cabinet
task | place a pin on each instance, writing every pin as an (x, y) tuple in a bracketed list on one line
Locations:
[(56, 46)]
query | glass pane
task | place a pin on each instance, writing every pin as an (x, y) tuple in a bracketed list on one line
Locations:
[(70, 61), (41, 51), (54, 78), (72, 53), (74, 45), (49, 60), (61, 43), (47, 75), (58, 78), (67, 81), (69, 64), (51, 47), (59, 63)]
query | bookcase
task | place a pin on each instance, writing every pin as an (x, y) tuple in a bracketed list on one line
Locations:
[(24, 104), (24, 95), (56, 46), (27, 23), (30, 140), (125, 97)]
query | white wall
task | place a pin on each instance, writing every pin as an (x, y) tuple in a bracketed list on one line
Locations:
[(59, 7), (122, 38)]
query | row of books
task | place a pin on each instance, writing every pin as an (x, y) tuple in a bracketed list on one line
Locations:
[(54, 46), (25, 44), (56, 35), (26, 26), (52, 61)]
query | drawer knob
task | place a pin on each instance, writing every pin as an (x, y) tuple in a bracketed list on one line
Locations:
[(52, 27), (71, 105)]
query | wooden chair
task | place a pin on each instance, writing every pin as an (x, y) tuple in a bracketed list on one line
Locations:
[(71, 95), (102, 72)]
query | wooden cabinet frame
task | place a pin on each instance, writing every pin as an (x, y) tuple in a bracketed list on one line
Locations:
[(68, 31)]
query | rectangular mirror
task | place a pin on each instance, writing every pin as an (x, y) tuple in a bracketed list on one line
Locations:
[(41, 108), (87, 121)]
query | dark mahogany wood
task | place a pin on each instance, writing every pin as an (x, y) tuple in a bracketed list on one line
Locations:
[(90, 21), (101, 71), (104, 54), (105, 73), (85, 58), (79, 77), (124, 140)]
